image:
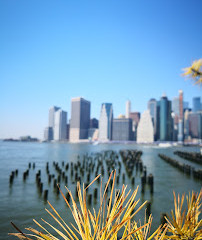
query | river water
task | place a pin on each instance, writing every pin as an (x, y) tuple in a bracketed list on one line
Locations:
[(22, 202)]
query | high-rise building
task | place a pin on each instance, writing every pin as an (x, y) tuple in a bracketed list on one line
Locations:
[(60, 125), (186, 123), (93, 123), (105, 122), (195, 125), (135, 116), (165, 119), (48, 134), (145, 129), (52, 111), (122, 129), (80, 119), (152, 107), (196, 104), (181, 116), (128, 109), (51, 123)]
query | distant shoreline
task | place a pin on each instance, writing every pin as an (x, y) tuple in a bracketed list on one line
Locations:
[(159, 144)]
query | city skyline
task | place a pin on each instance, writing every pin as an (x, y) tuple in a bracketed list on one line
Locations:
[(103, 51)]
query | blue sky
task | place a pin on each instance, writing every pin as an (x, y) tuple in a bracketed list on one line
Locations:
[(104, 51)]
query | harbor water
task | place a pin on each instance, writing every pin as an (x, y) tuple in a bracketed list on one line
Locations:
[(21, 201)]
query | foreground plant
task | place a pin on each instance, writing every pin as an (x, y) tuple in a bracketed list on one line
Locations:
[(114, 218), (186, 224), (194, 71)]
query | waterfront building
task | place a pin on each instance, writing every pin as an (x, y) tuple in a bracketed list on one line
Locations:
[(93, 123), (135, 116), (152, 107), (186, 123), (93, 134), (181, 115), (145, 129), (165, 119), (68, 127), (51, 119), (176, 106), (52, 111), (48, 134), (195, 125), (128, 109), (175, 122), (122, 129), (196, 104), (105, 122), (178, 110), (80, 119), (60, 125)]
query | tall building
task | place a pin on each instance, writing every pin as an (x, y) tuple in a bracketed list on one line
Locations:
[(181, 114), (152, 107), (51, 124), (60, 125), (196, 104), (122, 129), (135, 116), (195, 125), (52, 111), (145, 129), (186, 123), (128, 109), (165, 119), (93, 123), (105, 122), (48, 134), (80, 119)]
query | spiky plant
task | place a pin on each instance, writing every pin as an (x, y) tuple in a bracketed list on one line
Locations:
[(194, 71), (113, 219), (186, 223)]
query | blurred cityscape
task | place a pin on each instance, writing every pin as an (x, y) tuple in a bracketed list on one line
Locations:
[(164, 120)]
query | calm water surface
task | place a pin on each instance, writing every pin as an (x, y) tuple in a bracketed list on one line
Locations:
[(22, 202)]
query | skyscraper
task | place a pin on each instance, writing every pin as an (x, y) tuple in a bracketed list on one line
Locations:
[(195, 125), (52, 111), (48, 134), (165, 119), (60, 125), (196, 104), (181, 113), (50, 130), (128, 109), (135, 116), (145, 129), (186, 123), (152, 107), (105, 122), (122, 129), (80, 119)]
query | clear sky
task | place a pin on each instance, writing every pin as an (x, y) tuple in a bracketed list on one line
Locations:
[(103, 50)]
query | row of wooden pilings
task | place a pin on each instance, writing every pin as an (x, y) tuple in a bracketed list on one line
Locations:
[(132, 159), (89, 166), (191, 156), (185, 168)]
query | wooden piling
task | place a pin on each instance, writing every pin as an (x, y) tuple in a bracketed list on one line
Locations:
[(45, 196), (95, 193)]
